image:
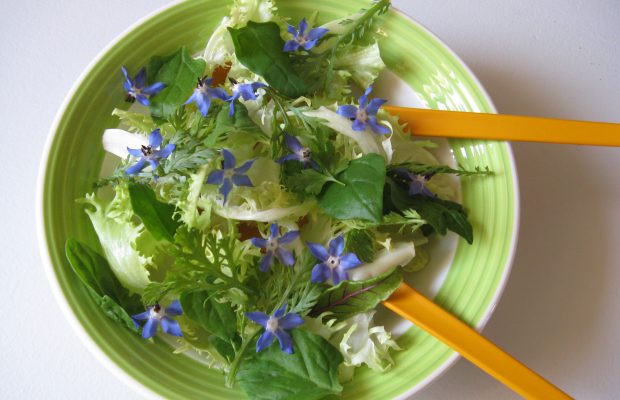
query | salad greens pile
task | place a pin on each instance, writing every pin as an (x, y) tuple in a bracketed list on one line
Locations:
[(260, 199)]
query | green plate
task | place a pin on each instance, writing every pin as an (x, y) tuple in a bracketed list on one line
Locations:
[(73, 158)]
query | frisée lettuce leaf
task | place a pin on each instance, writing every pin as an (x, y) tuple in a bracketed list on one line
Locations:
[(118, 234)]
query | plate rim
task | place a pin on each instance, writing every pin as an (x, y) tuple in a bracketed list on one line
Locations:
[(89, 342), (501, 287)]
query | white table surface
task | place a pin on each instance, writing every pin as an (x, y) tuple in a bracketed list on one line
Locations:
[(560, 312)]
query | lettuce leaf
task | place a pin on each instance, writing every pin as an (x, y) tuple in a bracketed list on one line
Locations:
[(116, 141), (267, 201), (187, 204), (118, 235), (363, 343), (358, 339), (367, 141), (220, 48), (405, 148), (399, 254), (362, 63), (134, 121)]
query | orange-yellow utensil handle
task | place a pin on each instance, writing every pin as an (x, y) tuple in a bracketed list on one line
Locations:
[(410, 304), (457, 124)]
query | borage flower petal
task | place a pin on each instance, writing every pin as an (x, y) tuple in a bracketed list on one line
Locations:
[(276, 326), (365, 114), (334, 264), (204, 93), (157, 315), (150, 154), (303, 39), (299, 153), (230, 175), (247, 91), (274, 246), (136, 87), (417, 183)]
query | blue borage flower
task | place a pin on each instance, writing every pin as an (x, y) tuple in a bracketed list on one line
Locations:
[(245, 90), (300, 153), (157, 315), (136, 89), (150, 154), (365, 114), (301, 38), (273, 246), (417, 183), (229, 175), (204, 93), (276, 326), (333, 264)]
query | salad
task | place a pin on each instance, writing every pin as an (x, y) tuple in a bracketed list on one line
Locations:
[(263, 204)]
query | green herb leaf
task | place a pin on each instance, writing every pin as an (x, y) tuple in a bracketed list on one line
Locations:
[(406, 220), (307, 182), (259, 47), (155, 64), (443, 215), (353, 297), (95, 272), (102, 285), (179, 71), (224, 347), (440, 215), (362, 243), (323, 71), (311, 373), (198, 262), (361, 196), (240, 121), (156, 216), (92, 269), (425, 169), (217, 318), (114, 311)]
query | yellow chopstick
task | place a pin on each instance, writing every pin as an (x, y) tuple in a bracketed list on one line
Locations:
[(457, 124), (410, 304)]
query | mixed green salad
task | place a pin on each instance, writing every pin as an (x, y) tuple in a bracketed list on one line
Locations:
[(264, 204)]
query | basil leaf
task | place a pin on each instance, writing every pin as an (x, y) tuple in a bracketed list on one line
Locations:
[(218, 318), (156, 216), (92, 269), (155, 64), (224, 347), (95, 272), (362, 243), (310, 373), (113, 311), (104, 288), (259, 46), (179, 71), (353, 297), (361, 196)]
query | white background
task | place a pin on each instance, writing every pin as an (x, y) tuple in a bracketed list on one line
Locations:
[(560, 312)]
